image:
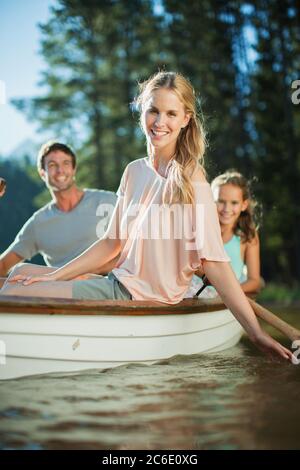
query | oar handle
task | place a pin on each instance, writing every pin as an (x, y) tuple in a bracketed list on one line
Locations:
[(269, 317)]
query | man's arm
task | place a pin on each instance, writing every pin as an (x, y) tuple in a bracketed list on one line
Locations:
[(23, 247), (7, 260)]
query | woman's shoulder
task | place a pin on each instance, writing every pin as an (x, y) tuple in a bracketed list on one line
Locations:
[(198, 175), (137, 163), (133, 168)]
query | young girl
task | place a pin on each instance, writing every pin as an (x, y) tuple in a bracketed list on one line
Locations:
[(157, 260), (236, 211)]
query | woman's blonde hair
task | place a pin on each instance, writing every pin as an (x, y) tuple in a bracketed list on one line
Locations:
[(247, 223), (191, 143)]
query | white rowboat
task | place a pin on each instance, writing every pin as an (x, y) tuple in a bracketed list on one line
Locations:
[(39, 336)]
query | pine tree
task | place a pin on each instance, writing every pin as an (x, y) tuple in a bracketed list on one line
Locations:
[(276, 140)]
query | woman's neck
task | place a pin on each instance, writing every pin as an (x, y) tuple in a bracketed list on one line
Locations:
[(163, 154), (162, 166), (161, 161)]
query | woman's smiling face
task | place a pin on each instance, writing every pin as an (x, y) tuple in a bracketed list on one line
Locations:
[(163, 118)]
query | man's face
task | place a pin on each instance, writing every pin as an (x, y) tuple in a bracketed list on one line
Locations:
[(59, 172)]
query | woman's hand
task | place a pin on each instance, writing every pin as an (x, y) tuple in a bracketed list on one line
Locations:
[(271, 347), (27, 280)]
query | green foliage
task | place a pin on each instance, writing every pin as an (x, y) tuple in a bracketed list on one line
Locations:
[(277, 135), (280, 293), (16, 205)]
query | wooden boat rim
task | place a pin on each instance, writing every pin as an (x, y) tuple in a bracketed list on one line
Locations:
[(55, 306)]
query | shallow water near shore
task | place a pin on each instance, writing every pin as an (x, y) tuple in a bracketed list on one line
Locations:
[(235, 399)]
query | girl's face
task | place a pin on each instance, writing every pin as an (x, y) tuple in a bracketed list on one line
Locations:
[(230, 203), (163, 118)]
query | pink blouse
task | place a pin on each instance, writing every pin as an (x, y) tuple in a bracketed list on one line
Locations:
[(161, 245)]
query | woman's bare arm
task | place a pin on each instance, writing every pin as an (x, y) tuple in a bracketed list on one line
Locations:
[(223, 279)]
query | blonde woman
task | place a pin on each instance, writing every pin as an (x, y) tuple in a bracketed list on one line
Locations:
[(165, 225)]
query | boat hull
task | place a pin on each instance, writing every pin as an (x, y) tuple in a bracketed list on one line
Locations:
[(42, 343)]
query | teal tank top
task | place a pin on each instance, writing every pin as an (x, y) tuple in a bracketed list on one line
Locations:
[(233, 249)]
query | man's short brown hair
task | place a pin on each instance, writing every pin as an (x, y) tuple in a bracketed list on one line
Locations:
[(50, 147)]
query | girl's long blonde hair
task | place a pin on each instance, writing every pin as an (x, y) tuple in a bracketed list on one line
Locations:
[(247, 223), (191, 142)]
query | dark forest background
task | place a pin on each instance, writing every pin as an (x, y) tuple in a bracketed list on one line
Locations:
[(242, 58)]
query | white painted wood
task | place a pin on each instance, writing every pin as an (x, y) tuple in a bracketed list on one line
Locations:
[(38, 343)]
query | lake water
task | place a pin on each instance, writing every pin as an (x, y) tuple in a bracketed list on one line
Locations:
[(237, 399)]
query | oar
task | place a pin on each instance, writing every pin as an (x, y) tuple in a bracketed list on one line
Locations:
[(290, 331)]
